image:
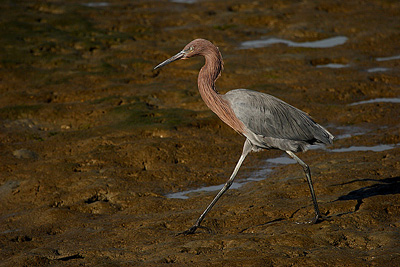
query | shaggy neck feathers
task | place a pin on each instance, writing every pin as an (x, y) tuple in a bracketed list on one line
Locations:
[(209, 73)]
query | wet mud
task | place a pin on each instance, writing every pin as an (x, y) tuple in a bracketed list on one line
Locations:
[(93, 141)]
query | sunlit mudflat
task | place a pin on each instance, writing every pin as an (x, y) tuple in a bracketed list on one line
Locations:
[(92, 138)]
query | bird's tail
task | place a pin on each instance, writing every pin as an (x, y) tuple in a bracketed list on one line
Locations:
[(326, 137)]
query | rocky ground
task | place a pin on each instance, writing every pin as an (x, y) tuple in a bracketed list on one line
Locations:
[(92, 139)]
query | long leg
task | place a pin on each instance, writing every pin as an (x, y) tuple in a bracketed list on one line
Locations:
[(308, 175), (246, 149)]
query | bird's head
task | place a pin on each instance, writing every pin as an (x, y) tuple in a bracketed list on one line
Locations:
[(194, 48)]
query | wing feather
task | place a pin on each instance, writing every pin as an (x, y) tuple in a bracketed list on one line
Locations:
[(270, 117)]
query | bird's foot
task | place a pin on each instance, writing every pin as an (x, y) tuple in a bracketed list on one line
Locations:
[(193, 229), (317, 219), (190, 231)]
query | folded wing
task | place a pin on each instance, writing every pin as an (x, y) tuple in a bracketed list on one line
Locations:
[(274, 121)]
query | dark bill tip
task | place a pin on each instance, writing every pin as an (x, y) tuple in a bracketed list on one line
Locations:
[(172, 59)]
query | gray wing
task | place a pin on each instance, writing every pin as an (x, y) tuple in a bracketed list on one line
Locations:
[(270, 117)]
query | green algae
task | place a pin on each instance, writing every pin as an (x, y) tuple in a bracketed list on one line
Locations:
[(19, 111), (144, 115)]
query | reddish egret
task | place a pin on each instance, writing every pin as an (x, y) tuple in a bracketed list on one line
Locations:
[(266, 121)]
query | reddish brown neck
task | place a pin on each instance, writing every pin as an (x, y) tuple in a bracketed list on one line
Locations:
[(209, 73)]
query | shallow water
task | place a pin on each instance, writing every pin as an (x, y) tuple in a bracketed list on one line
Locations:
[(388, 58), (346, 135), (377, 100), (254, 176), (377, 148), (282, 160), (96, 4), (349, 131), (325, 43), (184, 1), (378, 69), (333, 66), (184, 194)]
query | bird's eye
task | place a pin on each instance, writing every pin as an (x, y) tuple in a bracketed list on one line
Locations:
[(189, 50)]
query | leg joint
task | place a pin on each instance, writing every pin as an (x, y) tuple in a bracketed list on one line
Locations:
[(306, 168)]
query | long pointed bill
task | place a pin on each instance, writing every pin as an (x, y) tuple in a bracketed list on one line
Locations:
[(172, 59)]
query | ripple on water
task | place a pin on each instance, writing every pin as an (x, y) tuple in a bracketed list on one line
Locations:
[(325, 43)]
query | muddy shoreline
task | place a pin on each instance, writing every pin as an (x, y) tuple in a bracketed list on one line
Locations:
[(93, 140)]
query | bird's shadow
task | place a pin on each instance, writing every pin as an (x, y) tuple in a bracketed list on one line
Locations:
[(385, 186)]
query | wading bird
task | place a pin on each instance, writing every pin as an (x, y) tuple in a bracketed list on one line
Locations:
[(266, 121)]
